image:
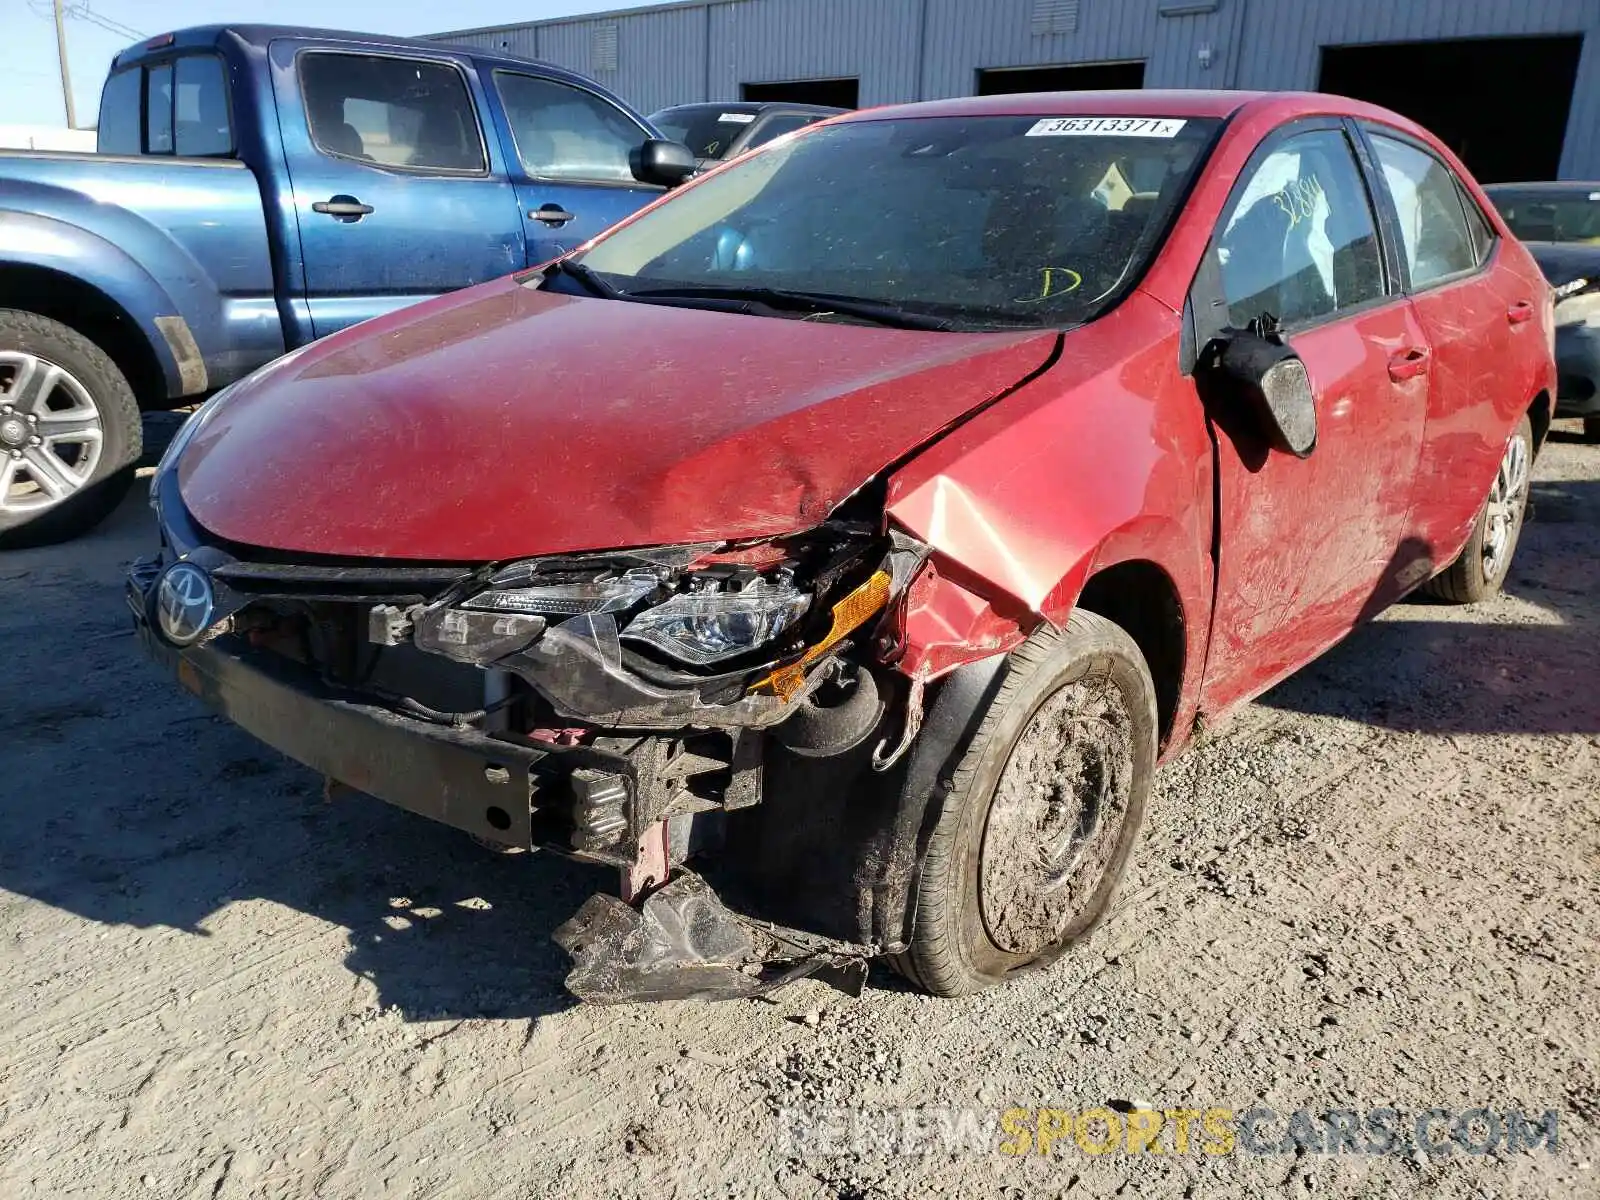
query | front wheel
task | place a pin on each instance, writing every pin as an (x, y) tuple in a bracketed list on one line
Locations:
[(1040, 814), (1481, 569), (69, 432)]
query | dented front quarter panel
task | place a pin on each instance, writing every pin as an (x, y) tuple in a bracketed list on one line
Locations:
[(1101, 459)]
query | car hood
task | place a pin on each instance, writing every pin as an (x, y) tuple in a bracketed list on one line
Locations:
[(505, 421), (1562, 262)]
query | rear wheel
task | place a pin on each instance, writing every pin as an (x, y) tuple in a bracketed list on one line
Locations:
[(1481, 569), (69, 432), (1591, 429), (1041, 812)]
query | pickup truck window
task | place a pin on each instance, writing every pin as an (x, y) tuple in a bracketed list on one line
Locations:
[(201, 127), (119, 113), (395, 112), (564, 132), (158, 109)]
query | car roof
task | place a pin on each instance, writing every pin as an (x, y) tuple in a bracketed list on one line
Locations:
[(263, 35), (1143, 102)]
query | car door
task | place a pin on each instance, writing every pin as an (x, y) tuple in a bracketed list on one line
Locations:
[(398, 194), (571, 151), (1479, 316), (1303, 544)]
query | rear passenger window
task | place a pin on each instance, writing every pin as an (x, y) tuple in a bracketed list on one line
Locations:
[(1478, 227), (1427, 199), (118, 128), (200, 107), (158, 109), (1300, 242), (564, 132), (394, 112)]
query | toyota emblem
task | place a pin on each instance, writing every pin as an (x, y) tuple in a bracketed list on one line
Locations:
[(184, 603)]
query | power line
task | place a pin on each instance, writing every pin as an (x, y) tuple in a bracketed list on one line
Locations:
[(84, 12)]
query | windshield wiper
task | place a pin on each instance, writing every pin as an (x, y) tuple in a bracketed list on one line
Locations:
[(784, 300), (585, 276)]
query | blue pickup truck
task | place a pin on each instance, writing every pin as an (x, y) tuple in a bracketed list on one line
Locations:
[(260, 187)]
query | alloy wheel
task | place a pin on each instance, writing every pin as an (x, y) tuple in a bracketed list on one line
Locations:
[(1055, 821), (51, 434), (1508, 498)]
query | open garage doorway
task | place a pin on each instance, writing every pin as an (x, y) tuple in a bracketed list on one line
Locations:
[(835, 93), (1075, 77), (1500, 103)]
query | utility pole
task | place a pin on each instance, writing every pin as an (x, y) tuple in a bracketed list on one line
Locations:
[(66, 77)]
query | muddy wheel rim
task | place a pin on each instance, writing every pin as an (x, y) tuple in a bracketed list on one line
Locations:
[(51, 434), (1508, 496), (1056, 817)]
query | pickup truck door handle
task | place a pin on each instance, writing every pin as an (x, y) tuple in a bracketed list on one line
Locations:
[(1519, 312), (1408, 363), (343, 208), (551, 214)]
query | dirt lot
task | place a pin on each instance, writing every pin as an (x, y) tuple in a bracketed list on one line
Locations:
[(1378, 886)]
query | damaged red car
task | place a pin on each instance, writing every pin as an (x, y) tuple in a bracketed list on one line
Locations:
[(836, 547)]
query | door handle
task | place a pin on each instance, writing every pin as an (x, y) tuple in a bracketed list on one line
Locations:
[(551, 214), (343, 208), (1519, 312), (1408, 364)]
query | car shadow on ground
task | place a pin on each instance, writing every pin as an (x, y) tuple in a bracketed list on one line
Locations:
[(1416, 670)]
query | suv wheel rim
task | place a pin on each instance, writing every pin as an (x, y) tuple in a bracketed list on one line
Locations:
[(1508, 496), (51, 434), (1056, 817)]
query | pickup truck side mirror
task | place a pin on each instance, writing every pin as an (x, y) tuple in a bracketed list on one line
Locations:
[(661, 162), (1267, 377)]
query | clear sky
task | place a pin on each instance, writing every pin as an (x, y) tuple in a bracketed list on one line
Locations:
[(30, 83)]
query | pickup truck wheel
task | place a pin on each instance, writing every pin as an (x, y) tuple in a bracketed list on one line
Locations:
[(1041, 812), (69, 432), (1481, 569)]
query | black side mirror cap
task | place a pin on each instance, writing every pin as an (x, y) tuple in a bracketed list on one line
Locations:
[(1263, 372), (664, 163)]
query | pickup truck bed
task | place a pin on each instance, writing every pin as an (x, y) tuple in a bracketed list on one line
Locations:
[(179, 237)]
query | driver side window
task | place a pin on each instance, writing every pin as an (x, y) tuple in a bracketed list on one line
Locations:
[(1300, 242), (564, 132)]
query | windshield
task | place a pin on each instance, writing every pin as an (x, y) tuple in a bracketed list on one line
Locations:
[(707, 131), (990, 221), (1551, 216)]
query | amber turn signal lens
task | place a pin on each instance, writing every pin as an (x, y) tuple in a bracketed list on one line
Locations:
[(849, 614)]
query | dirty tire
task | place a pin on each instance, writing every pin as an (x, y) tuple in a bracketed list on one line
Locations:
[(1474, 576), (1076, 709), (52, 343), (1591, 429)]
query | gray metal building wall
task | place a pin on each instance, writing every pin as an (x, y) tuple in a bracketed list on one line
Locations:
[(925, 49)]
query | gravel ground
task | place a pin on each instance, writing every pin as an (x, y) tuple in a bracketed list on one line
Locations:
[(1378, 886)]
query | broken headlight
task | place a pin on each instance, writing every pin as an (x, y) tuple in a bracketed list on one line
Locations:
[(704, 627), (563, 594)]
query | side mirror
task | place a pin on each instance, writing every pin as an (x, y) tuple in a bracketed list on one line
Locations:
[(1268, 377), (661, 162)]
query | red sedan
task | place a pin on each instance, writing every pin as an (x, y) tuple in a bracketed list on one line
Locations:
[(836, 546)]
